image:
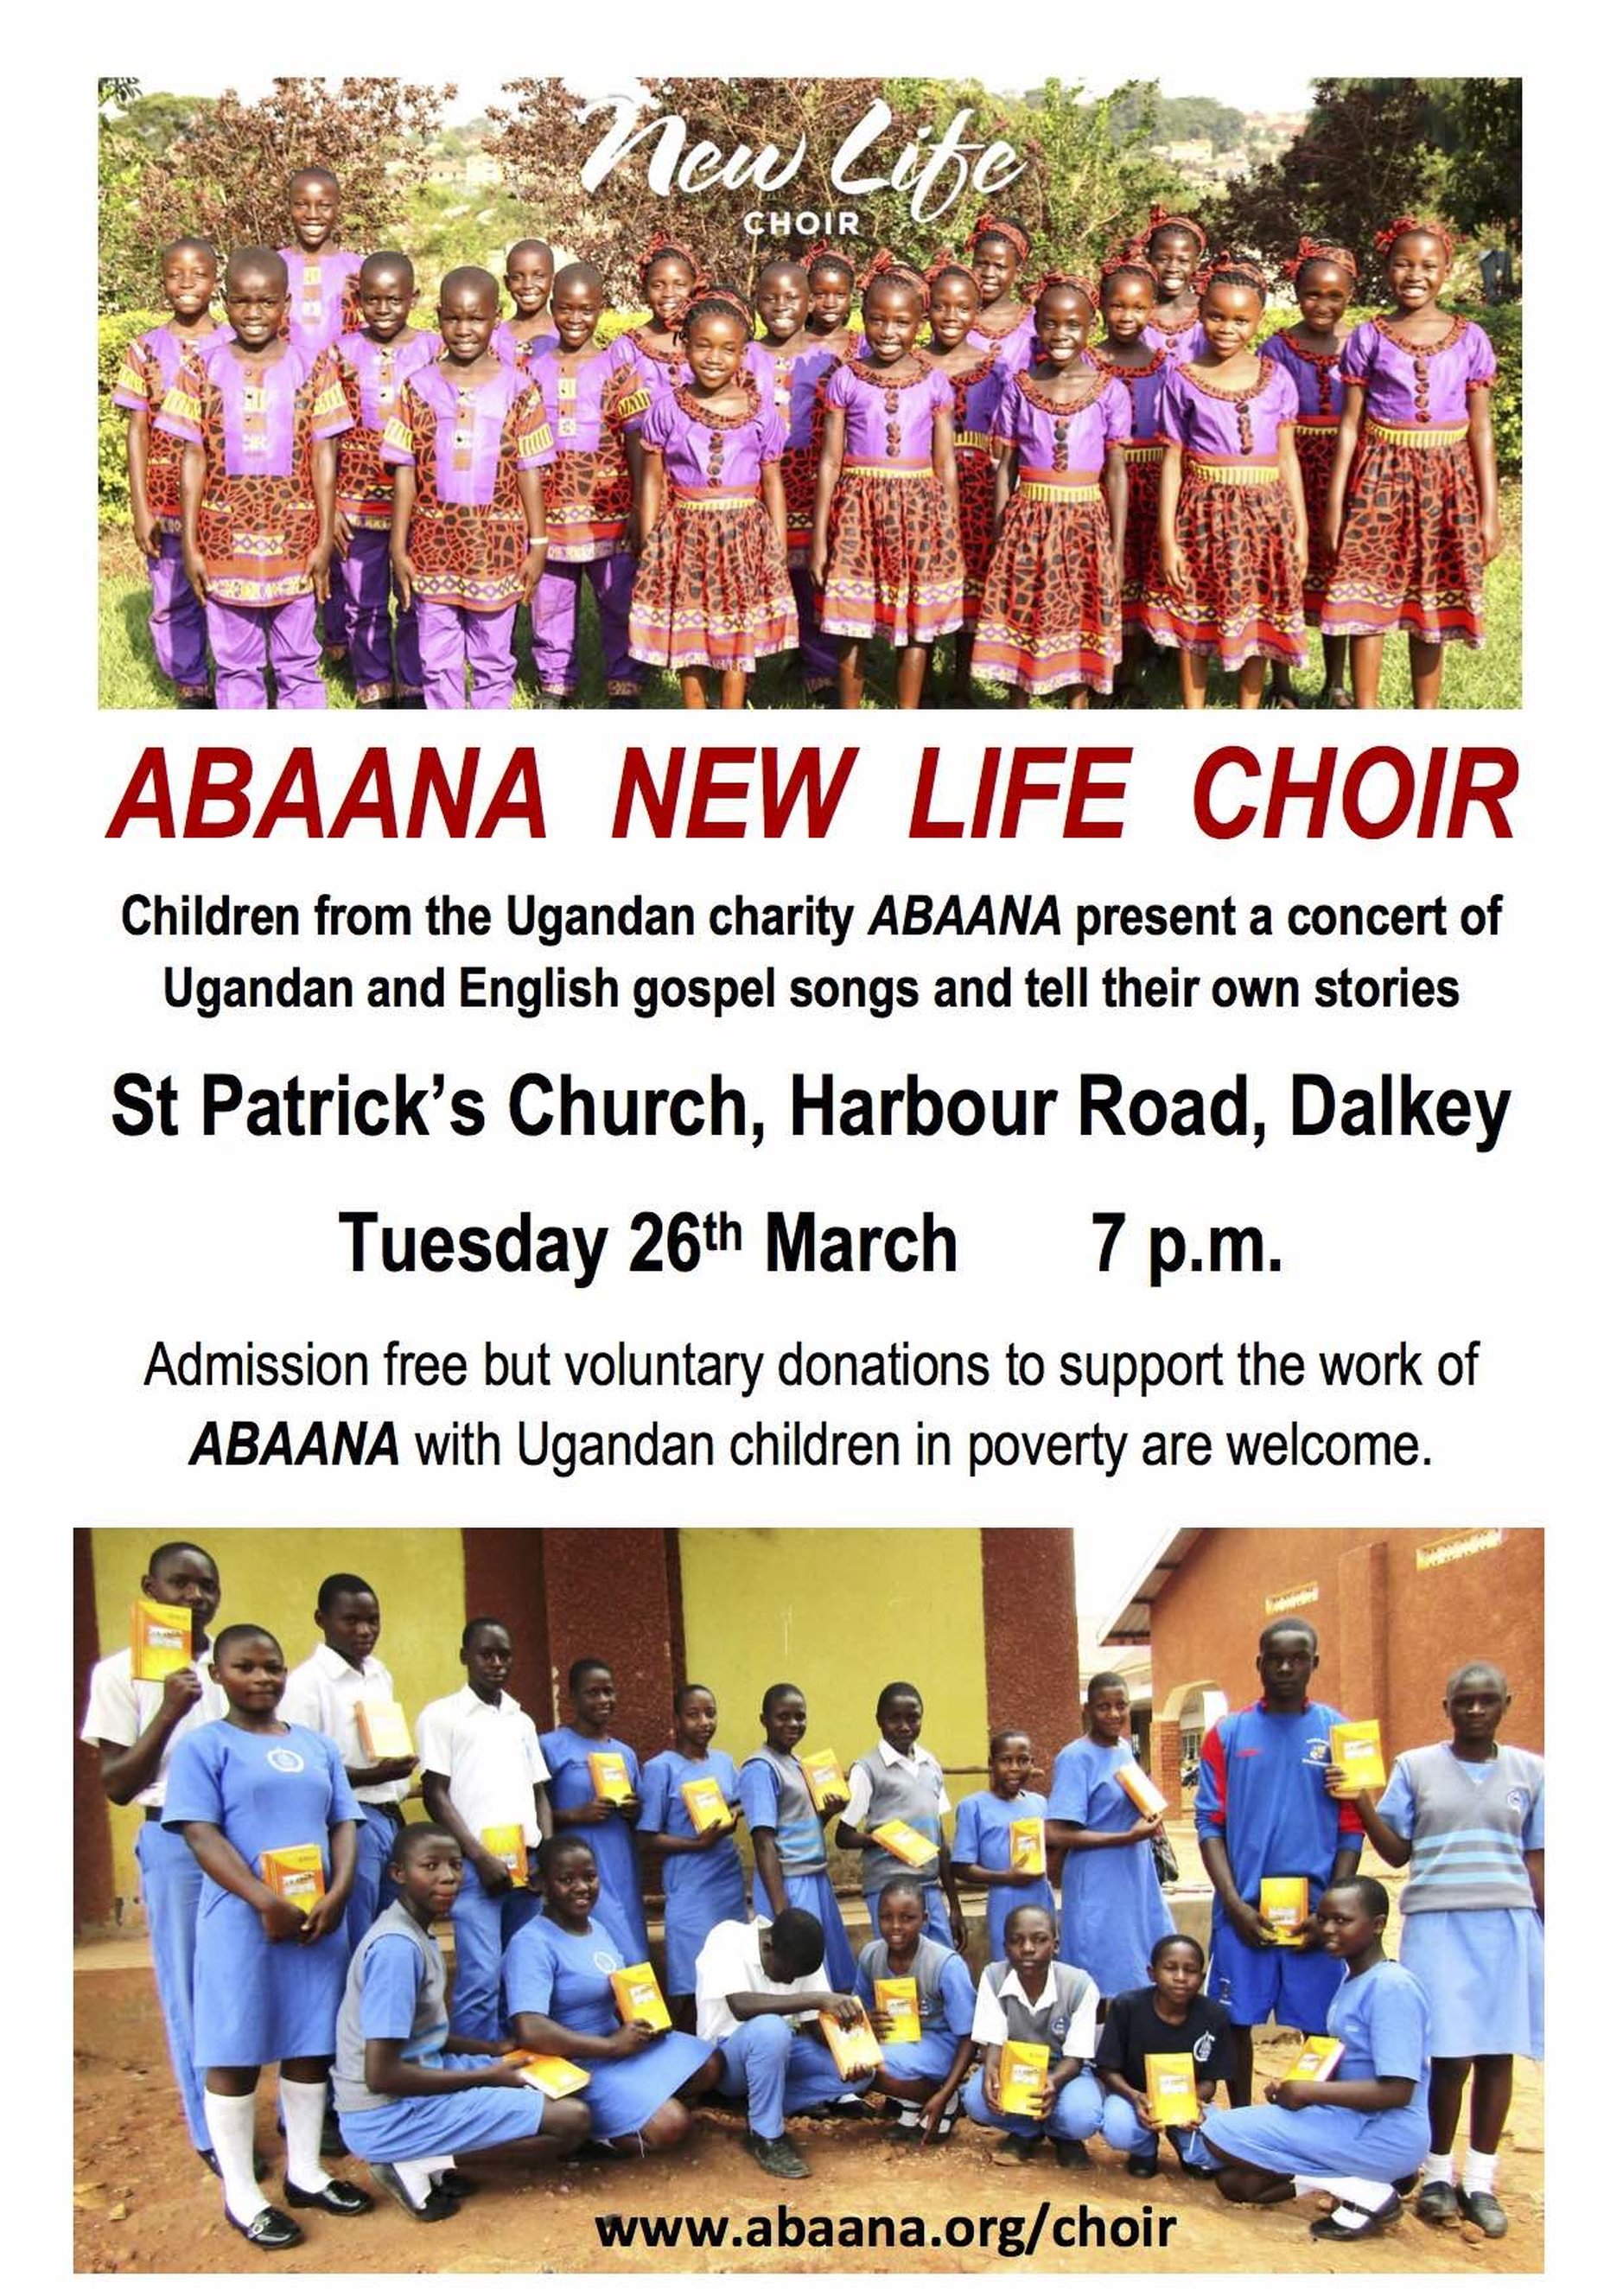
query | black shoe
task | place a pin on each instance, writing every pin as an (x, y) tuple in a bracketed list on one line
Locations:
[(454, 2185), (1483, 2210), (624, 701), (438, 2206), (338, 2199), (410, 701), (1144, 2164), (1437, 2203), (1069, 2153), (195, 701), (776, 2155), (1370, 2222), (269, 2229)]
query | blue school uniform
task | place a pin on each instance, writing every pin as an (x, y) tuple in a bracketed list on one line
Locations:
[(776, 1796), (1111, 1906), (1382, 2020), (980, 1837), (701, 1889), (613, 1843), (551, 1972), (395, 1991), (947, 2005), (255, 2003), (1471, 1932), (1262, 1793)]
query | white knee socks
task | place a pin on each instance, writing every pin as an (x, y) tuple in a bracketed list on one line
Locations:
[(304, 2105), (231, 2132)]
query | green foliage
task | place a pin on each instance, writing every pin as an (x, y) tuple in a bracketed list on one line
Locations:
[(114, 330), (1141, 108)]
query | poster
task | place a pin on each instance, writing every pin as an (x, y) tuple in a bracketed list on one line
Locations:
[(692, 1196)]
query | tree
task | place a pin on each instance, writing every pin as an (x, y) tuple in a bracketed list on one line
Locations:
[(1477, 125), (1364, 157), (225, 176)]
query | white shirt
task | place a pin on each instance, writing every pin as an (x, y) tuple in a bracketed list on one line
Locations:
[(322, 1694), (992, 2026), (862, 1785), (490, 1754), (119, 1707), (730, 1962)]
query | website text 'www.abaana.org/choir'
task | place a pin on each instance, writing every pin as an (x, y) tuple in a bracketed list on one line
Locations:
[(1046, 2229)]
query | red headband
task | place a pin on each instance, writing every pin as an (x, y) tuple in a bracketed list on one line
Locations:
[(1159, 220), (824, 250), (1320, 250), (886, 266), (1234, 267), (944, 261), (661, 243), (1062, 279), (1129, 257), (706, 292), (991, 227), (1387, 239)]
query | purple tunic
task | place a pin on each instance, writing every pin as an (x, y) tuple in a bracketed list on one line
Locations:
[(1015, 347), (889, 422), (514, 351), (470, 432), (789, 384), (1408, 384), (976, 403), (659, 373), (1049, 437), (576, 402), (1179, 343), (1317, 378), (1228, 426), (323, 305), (1144, 386), (701, 453)]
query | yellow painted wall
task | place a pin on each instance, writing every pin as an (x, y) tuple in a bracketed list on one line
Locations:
[(840, 1613), (270, 1576)]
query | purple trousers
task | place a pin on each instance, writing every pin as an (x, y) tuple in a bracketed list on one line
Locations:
[(180, 635), (240, 637), (451, 638), (364, 584), (819, 655), (554, 616)]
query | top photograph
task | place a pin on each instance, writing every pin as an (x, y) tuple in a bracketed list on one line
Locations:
[(852, 393)]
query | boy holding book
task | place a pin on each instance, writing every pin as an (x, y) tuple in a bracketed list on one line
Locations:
[(921, 2001), (484, 1783), (135, 1722), (596, 1789), (343, 1674), (411, 2093), (898, 1799), (1036, 2020), (1164, 2049)]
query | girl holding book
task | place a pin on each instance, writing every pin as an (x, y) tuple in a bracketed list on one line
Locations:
[(1359, 2128), (1113, 1909), (269, 1814), (1467, 1819), (691, 1809), (921, 2003), (988, 1853), (594, 1787), (901, 1785), (1034, 2020), (557, 1976), (1169, 2018), (786, 1829)]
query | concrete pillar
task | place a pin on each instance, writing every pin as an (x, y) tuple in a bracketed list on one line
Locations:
[(1359, 1661), (1028, 1606)]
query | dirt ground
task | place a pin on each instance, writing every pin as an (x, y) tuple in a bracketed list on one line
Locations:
[(142, 2202)]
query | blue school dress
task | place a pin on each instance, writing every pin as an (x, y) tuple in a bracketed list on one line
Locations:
[(255, 2003), (613, 1843), (1382, 2019), (551, 1972), (980, 1837), (702, 1889), (1112, 1907), (947, 2005), (775, 1795)]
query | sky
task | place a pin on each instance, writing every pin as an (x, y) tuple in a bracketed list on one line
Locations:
[(1255, 88)]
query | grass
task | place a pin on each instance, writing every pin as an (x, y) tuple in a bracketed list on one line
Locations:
[(1490, 680)]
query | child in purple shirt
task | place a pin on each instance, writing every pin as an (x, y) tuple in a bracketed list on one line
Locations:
[(1127, 302), (528, 279), (1310, 353), (1172, 245)]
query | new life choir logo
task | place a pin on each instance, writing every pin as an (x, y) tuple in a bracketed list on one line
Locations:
[(936, 169)]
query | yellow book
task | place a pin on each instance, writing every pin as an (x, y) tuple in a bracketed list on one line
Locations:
[(906, 1843), (853, 2048), (1355, 1748), (638, 1998), (297, 1874), (1169, 2086), (507, 1843), (1282, 1903), (610, 1779), (898, 1997), (1022, 2075), (706, 1805), (1140, 1788), (384, 1735), (159, 1639), (824, 1780), (552, 2076), (1317, 2059), (1026, 1850)]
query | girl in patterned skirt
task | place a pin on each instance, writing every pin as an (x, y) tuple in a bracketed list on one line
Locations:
[(831, 283), (998, 248), (1234, 539), (1172, 245), (1310, 353), (798, 362), (1414, 499), (1051, 617), (712, 591), (885, 523), (1126, 299), (976, 379)]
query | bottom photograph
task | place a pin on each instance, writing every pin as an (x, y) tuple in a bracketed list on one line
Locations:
[(691, 1900)]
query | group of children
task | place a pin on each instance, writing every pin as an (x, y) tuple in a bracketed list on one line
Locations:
[(557, 2032), (968, 462)]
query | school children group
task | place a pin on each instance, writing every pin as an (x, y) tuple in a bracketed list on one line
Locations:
[(558, 2032), (974, 460)]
